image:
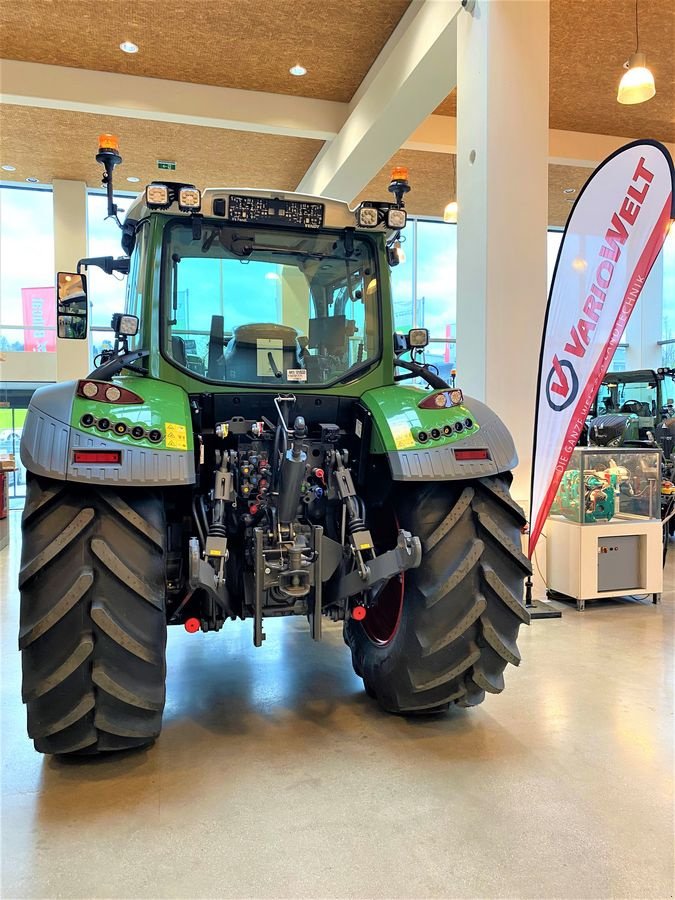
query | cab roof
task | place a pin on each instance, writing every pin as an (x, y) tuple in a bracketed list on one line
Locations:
[(337, 213)]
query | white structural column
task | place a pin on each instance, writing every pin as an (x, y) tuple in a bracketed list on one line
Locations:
[(645, 326), (70, 245), (502, 146)]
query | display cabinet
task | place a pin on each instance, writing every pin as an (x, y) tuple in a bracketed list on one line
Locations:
[(604, 534)]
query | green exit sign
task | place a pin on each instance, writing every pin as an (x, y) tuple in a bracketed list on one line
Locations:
[(166, 164)]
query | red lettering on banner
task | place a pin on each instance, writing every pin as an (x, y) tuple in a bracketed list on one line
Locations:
[(590, 307), (598, 293), (629, 211), (604, 282), (584, 328), (575, 348), (641, 171), (614, 237)]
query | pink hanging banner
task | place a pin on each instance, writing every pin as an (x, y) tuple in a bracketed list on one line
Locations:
[(613, 236), (39, 319)]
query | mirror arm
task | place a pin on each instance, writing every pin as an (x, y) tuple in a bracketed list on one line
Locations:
[(117, 363), (108, 263), (434, 381)]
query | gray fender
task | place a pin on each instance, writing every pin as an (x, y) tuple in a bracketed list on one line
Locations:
[(440, 463), (48, 439)]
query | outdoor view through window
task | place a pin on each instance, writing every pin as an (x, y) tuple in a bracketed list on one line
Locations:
[(254, 307)]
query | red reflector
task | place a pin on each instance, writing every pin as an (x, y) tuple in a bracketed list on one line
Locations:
[(102, 457), (359, 613), (192, 625), (472, 454)]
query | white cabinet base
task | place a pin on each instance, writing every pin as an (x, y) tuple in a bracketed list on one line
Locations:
[(611, 559)]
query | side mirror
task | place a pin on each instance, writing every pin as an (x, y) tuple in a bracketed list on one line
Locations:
[(72, 309)]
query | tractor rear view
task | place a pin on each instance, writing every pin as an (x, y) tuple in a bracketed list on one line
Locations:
[(256, 445)]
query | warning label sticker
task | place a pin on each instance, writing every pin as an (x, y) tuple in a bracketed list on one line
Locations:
[(296, 375), (402, 436), (176, 436)]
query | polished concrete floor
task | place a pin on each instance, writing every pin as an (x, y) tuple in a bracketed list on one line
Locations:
[(276, 776)]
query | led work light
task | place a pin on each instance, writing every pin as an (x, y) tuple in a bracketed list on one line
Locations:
[(157, 196)]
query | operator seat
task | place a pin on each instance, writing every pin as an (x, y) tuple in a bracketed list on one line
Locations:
[(215, 367), (637, 407), (247, 352)]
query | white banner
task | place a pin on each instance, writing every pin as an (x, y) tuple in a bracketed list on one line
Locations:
[(615, 231)]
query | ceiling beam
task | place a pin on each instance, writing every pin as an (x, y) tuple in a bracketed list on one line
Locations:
[(438, 134), (131, 96), (413, 74), (136, 97)]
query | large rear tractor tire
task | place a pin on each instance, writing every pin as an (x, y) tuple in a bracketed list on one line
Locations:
[(93, 625), (444, 632)]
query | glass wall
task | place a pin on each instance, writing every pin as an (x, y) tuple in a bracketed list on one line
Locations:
[(106, 292), (425, 288), (668, 328), (27, 305)]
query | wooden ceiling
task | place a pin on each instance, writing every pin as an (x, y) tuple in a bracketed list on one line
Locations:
[(49, 144), (589, 42), (432, 180), (249, 44)]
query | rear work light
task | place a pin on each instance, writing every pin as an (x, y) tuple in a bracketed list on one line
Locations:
[(98, 457), (442, 399), (105, 392), (471, 454)]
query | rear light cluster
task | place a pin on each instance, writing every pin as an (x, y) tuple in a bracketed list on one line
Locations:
[(442, 399), (105, 392), (154, 435), (436, 434)]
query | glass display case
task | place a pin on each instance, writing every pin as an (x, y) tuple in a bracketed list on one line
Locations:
[(609, 484)]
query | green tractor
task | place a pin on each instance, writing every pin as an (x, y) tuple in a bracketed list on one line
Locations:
[(630, 407), (249, 449)]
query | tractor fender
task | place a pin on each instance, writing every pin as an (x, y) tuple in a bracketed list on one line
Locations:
[(422, 444), (55, 429)]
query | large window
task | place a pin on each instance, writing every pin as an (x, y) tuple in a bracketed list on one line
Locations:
[(668, 328), (27, 306), (425, 288), (106, 292), (248, 306)]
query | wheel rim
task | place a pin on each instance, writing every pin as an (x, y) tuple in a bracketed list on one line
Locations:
[(384, 618)]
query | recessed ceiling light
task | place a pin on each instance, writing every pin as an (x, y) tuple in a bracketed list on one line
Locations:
[(129, 47), (33, 180), (569, 190), (133, 179), (298, 70), (9, 168)]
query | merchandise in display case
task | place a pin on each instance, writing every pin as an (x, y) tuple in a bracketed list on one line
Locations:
[(603, 484)]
